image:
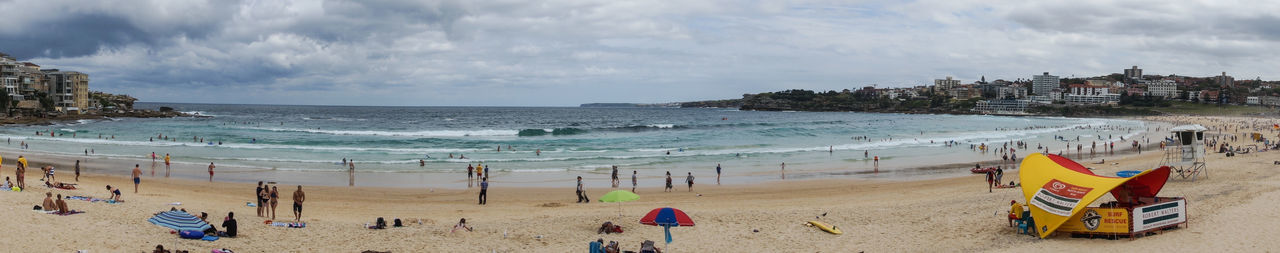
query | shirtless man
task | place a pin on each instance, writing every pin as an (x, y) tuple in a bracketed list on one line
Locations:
[(48, 202), (211, 171), (62, 205), (298, 198), (137, 178)]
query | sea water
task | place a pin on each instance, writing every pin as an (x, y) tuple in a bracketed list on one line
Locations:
[(541, 143)]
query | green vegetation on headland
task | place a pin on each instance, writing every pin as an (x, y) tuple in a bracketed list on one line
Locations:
[(833, 101), (930, 102)]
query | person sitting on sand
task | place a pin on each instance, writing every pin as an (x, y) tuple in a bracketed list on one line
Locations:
[(608, 228), (62, 205), (461, 224), (647, 247), (7, 186), (48, 202), (229, 226), (211, 230), (1015, 211), (115, 193)]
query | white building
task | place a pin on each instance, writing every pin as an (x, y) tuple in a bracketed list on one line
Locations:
[(1044, 84), (1164, 88), (1252, 101), (946, 84), (1003, 106)]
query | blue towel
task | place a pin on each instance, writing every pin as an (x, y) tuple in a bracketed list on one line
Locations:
[(209, 238)]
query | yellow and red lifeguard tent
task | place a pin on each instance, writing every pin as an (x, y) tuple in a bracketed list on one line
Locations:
[(1058, 192)]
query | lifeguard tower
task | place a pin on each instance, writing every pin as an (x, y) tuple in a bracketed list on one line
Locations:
[(1186, 154)]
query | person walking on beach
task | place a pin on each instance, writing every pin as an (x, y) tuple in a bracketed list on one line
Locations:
[(298, 198), (689, 179), (257, 194), (633, 181), (264, 197), (615, 177), (486, 170), (484, 190), (137, 178), (275, 199), (990, 180), (211, 171), (668, 189), (77, 170), (166, 161), (717, 174), (999, 174), (351, 173), (153, 156), (582, 194)]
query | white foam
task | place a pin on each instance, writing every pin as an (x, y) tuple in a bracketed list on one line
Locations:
[(425, 133)]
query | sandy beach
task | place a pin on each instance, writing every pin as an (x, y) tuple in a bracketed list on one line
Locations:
[(1228, 212)]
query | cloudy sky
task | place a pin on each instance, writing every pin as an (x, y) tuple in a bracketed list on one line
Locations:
[(562, 53)]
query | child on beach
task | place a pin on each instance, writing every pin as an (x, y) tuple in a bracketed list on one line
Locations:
[(582, 194), (689, 180), (668, 189)]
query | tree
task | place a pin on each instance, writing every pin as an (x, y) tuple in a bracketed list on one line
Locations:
[(4, 101)]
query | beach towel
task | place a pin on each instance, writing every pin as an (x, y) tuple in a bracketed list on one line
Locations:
[(191, 234), (289, 224), (67, 213), (209, 238)]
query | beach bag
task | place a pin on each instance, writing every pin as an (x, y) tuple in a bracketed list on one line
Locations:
[(191, 234)]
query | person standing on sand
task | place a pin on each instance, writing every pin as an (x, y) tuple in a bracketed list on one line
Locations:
[(582, 194), (689, 179), (784, 170), (298, 198), (717, 174), (22, 172), (153, 157), (668, 189), (77, 170), (351, 172), (211, 171), (275, 199), (484, 190), (633, 181), (470, 173), (137, 178), (615, 180), (257, 194), (166, 161)]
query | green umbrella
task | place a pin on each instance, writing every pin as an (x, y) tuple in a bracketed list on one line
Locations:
[(619, 196)]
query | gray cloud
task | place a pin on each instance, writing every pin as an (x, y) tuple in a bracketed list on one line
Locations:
[(565, 52)]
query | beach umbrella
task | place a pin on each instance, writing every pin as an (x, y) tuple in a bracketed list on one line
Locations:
[(619, 196), (667, 217), (179, 221)]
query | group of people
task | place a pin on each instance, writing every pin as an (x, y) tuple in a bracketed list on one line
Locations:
[(229, 225), (599, 246), (269, 198)]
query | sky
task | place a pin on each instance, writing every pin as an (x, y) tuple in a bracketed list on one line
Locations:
[(564, 53)]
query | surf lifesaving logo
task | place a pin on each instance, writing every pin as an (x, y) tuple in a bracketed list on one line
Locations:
[(1058, 198)]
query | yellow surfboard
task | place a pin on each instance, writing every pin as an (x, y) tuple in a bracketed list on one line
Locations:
[(825, 227)]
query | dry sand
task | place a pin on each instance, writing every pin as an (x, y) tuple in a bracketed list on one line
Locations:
[(1230, 210)]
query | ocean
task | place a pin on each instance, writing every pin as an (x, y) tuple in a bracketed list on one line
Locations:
[(542, 146)]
